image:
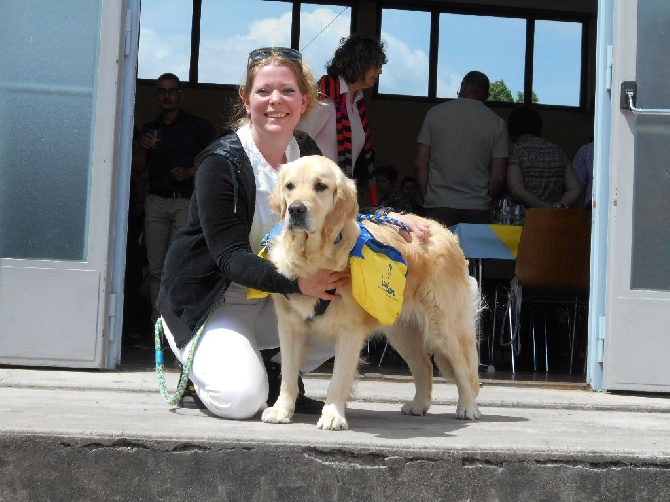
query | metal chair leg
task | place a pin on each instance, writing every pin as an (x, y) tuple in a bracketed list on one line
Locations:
[(386, 346), (546, 344)]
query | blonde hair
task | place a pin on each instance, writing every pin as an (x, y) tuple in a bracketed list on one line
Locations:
[(305, 80)]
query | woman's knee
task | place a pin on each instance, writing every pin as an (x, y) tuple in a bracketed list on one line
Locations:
[(237, 400)]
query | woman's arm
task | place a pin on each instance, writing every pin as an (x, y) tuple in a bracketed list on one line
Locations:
[(574, 190), (320, 125), (518, 190)]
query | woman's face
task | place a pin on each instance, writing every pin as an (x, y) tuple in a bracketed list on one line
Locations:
[(274, 102), (371, 76)]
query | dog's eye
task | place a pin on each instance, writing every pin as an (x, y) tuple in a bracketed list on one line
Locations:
[(289, 186), (320, 187)]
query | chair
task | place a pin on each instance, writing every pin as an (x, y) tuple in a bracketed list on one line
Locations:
[(552, 268)]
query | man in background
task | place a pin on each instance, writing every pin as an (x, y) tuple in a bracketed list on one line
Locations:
[(168, 147), (462, 152)]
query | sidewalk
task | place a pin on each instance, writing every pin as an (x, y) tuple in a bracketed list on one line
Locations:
[(110, 436)]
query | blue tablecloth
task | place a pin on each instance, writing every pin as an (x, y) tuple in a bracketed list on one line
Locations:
[(488, 241)]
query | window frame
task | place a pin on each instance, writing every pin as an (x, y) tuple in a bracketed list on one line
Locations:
[(434, 9), (295, 38)]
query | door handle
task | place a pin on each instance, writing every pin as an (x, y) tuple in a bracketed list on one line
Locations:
[(628, 101)]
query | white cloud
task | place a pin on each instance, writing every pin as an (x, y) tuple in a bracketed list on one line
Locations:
[(406, 71), (160, 55)]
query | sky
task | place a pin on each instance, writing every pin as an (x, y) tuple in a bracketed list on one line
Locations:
[(230, 29)]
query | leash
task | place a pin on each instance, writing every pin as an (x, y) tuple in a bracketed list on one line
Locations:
[(380, 220), (187, 365)]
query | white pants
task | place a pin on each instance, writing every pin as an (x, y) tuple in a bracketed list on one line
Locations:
[(228, 372)]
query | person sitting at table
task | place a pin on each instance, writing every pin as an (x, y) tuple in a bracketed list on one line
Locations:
[(539, 173), (386, 177)]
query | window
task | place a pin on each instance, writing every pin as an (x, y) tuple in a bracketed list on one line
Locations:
[(557, 62), (321, 28), (461, 49), (407, 38), (497, 45), (228, 31)]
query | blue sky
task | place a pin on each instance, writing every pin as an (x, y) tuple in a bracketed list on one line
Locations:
[(230, 29)]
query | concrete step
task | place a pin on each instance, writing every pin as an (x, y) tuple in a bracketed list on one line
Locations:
[(87, 435)]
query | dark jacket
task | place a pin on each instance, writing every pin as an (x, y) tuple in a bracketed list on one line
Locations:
[(212, 249), (180, 143)]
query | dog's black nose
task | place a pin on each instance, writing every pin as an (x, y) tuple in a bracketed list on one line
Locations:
[(297, 215), (297, 208)]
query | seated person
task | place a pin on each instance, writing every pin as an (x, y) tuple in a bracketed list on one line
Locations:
[(409, 193), (385, 177), (539, 173)]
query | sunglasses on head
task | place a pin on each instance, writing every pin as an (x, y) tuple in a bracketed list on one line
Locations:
[(265, 52), (172, 91)]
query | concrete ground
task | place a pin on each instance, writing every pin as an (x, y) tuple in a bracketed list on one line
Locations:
[(91, 435)]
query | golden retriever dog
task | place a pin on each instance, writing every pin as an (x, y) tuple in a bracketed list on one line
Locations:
[(318, 206)]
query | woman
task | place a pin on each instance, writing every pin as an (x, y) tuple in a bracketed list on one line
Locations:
[(339, 125), (539, 173), (213, 261)]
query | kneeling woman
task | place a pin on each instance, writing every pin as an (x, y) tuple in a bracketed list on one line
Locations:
[(213, 261)]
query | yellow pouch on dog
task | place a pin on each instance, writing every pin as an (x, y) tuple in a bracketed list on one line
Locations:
[(378, 275)]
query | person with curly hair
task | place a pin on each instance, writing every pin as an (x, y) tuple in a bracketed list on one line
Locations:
[(339, 124)]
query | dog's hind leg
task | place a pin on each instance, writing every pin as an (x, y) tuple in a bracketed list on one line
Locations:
[(456, 356), (292, 356), (347, 351), (408, 341)]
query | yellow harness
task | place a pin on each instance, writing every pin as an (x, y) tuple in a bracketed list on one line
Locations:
[(378, 275)]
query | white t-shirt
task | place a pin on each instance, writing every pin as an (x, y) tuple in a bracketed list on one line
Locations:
[(266, 180)]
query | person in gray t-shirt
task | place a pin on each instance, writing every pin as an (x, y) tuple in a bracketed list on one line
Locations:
[(462, 152)]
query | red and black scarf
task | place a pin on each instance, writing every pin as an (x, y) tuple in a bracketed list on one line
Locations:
[(329, 87)]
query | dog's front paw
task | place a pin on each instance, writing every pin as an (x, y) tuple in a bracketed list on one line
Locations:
[(276, 415), (467, 412), (332, 420), (415, 408)]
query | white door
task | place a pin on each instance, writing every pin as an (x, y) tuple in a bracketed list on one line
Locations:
[(63, 142), (637, 324)]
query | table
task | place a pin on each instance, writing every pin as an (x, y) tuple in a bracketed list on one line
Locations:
[(481, 241)]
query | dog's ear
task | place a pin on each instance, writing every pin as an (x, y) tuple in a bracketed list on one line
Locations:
[(346, 201)]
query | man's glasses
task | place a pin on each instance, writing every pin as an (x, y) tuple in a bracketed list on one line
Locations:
[(172, 91), (266, 52)]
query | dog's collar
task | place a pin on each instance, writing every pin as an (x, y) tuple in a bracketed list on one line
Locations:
[(320, 307)]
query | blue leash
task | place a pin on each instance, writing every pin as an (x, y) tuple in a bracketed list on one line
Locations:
[(380, 220)]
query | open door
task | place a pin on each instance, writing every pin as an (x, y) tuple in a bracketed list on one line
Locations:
[(64, 141), (638, 275)]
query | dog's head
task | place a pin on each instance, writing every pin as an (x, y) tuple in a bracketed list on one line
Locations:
[(313, 195)]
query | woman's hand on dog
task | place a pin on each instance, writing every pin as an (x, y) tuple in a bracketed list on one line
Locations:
[(415, 225), (319, 284)]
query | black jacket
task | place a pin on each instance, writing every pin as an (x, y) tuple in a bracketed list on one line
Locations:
[(212, 249)]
